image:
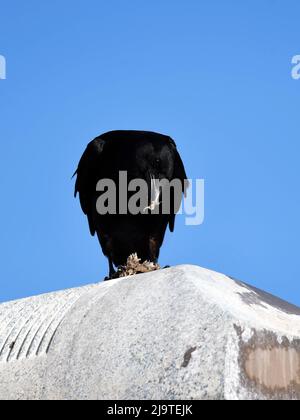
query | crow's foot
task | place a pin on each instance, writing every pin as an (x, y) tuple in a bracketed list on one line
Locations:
[(114, 276)]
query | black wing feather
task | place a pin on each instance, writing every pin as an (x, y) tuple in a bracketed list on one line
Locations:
[(88, 175), (179, 173)]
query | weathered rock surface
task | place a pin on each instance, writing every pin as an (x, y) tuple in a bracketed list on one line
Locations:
[(180, 333)]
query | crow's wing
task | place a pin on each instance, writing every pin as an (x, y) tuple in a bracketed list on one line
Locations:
[(88, 174), (179, 173)]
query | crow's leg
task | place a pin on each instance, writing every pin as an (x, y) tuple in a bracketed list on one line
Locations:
[(112, 271), (154, 248)]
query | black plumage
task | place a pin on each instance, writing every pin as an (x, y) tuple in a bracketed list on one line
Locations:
[(144, 155)]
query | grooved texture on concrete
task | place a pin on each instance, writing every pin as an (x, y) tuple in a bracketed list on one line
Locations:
[(180, 333), (28, 326)]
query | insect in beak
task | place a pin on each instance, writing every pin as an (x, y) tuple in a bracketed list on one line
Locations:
[(155, 195)]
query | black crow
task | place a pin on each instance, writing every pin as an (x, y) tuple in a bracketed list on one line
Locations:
[(144, 155)]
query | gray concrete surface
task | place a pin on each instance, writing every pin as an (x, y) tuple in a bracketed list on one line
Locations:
[(180, 333)]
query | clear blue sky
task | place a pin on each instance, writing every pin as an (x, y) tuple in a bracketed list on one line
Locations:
[(215, 75)]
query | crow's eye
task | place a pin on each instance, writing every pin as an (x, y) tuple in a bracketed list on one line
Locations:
[(156, 163)]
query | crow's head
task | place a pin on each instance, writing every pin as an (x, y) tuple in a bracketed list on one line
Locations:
[(155, 162)]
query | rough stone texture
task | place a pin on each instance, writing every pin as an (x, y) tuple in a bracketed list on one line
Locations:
[(180, 333)]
